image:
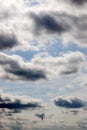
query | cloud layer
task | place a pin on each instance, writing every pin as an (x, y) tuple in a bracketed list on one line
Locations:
[(37, 25)]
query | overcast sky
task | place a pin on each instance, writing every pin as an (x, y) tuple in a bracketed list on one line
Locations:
[(43, 64)]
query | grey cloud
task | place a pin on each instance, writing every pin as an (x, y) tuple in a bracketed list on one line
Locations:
[(75, 112), (63, 25), (16, 69), (54, 20), (69, 102), (28, 74), (66, 64), (68, 71), (82, 124), (73, 63), (48, 23), (7, 41), (17, 103), (79, 2)]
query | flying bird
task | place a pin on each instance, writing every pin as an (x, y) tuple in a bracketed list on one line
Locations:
[(42, 115)]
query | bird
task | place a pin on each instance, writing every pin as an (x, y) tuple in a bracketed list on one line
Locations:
[(42, 115)]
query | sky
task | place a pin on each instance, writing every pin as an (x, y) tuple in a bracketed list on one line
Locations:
[(43, 65)]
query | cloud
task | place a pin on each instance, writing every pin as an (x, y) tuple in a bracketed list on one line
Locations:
[(12, 102), (63, 26), (48, 24), (83, 124), (70, 102), (28, 74), (13, 20), (7, 41), (79, 2), (25, 19), (14, 68), (64, 64), (75, 112)]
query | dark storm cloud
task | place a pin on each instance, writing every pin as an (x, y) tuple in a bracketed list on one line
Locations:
[(69, 103), (28, 74), (48, 23), (7, 41), (17, 103), (79, 2)]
